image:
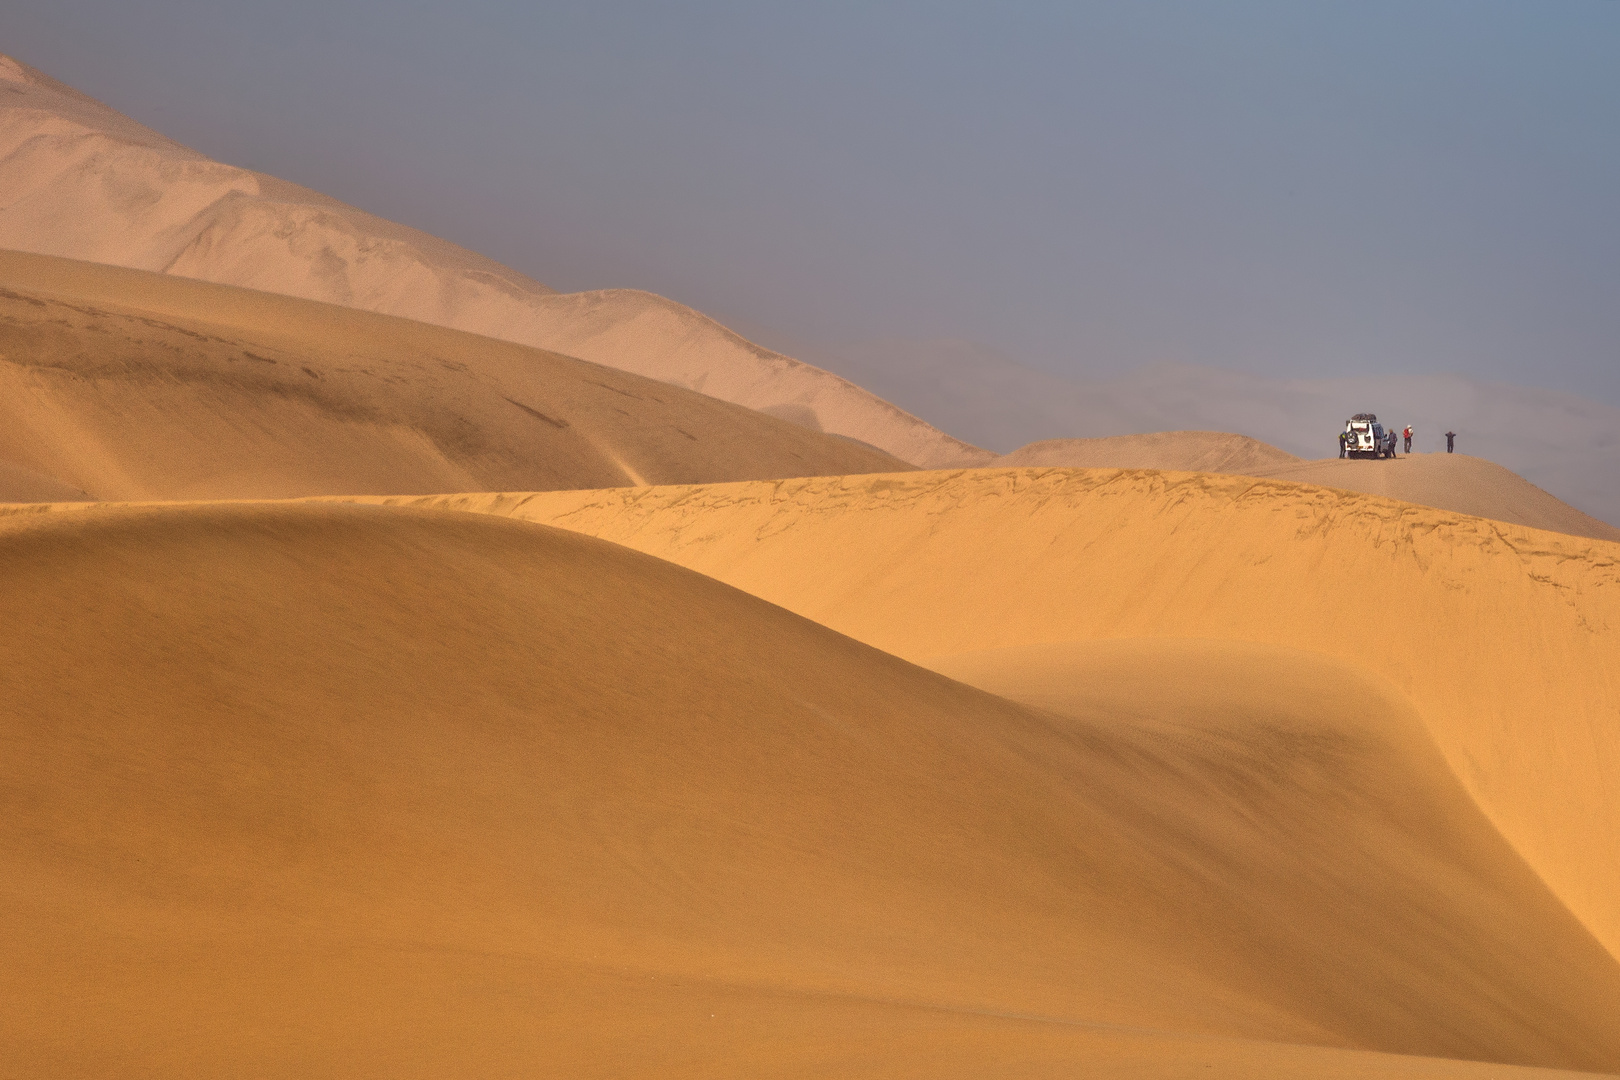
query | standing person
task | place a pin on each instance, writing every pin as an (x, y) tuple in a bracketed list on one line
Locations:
[(1451, 441), (1343, 438), (1408, 434)]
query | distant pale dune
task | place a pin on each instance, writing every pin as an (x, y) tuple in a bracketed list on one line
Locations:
[(80, 180), (123, 384), (1503, 638), (1189, 451), (324, 789)]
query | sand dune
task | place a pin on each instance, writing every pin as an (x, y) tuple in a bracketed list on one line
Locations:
[(320, 789), (1468, 485), (131, 385), (78, 179), (1458, 482), (1504, 638), (1186, 451), (1213, 774)]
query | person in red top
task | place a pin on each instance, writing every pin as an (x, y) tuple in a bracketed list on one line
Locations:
[(1408, 434)]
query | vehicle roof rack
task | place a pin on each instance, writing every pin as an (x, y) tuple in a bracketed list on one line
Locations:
[(1371, 417)]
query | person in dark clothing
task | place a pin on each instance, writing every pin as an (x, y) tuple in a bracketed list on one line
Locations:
[(1343, 438), (1451, 441)]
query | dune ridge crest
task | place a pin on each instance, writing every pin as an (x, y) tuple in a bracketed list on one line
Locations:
[(122, 384), (1458, 482), (80, 180)]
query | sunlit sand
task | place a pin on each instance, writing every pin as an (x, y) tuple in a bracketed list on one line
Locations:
[(1502, 637)]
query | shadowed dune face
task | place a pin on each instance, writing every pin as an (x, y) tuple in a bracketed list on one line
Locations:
[(360, 791), (129, 385), (1504, 638), (80, 180)]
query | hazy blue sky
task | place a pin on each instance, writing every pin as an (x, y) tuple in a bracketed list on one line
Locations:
[(1284, 187)]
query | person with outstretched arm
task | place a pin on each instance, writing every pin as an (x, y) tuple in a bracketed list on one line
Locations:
[(1451, 441)]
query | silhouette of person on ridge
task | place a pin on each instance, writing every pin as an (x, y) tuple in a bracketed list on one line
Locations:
[(1451, 441)]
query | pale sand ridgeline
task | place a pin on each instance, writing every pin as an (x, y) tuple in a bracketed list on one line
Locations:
[(125, 384), (357, 790), (1183, 451), (1504, 638), (1467, 485), (78, 179)]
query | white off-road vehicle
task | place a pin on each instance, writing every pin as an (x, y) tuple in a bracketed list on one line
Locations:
[(1365, 437)]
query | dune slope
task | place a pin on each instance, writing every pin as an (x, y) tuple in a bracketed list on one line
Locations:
[(129, 385), (1505, 638), (322, 789), (1185, 451), (80, 180)]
